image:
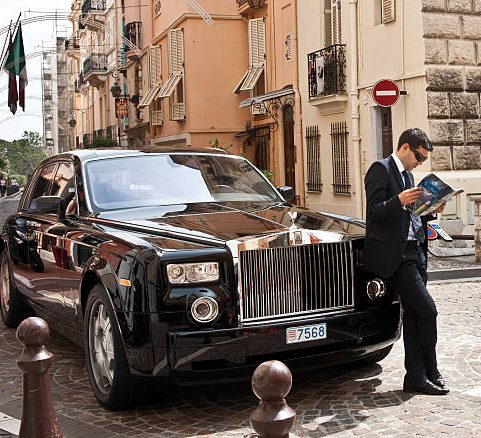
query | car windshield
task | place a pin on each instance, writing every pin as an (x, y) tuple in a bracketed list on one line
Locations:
[(169, 179)]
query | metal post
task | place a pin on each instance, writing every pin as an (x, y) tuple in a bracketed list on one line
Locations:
[(38, 416), (273, 418)]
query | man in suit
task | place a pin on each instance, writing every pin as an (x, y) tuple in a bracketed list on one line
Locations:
[(396, 249)]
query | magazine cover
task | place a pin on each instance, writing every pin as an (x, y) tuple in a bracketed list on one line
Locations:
[(434, 193)]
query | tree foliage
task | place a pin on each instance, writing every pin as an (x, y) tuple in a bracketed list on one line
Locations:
[(23, 155)]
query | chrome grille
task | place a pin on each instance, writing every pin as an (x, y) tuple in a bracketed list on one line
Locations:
[(295, 280)]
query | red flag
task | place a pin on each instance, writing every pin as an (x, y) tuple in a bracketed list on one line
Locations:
[(12, 86)]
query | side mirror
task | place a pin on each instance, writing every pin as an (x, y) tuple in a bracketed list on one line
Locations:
[(287, 192), (46, 204)]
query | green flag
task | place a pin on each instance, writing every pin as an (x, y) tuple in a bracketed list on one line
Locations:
[(15, 64)]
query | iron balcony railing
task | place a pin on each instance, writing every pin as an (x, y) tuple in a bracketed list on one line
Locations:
[(241, 2), (295, 281), (92, 6), (94, 63), (327, 71), (133, 32)]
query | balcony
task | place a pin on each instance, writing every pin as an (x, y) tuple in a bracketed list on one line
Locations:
[(93, 13), (95, 69), (133, 32), (327, 78), (72, 47)]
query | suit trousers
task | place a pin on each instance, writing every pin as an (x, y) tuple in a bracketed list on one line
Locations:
[(419, 316)]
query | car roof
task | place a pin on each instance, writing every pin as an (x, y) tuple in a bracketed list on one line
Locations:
[(88, 154)]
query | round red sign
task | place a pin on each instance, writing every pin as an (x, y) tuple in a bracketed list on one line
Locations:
[(385, 92)]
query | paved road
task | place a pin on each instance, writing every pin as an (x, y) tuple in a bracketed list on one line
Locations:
[(339, 403)]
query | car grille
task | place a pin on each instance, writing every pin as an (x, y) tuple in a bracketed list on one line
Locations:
[(295, 280)]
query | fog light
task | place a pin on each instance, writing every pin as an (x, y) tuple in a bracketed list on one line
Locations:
[(204, 309), (376, 289)]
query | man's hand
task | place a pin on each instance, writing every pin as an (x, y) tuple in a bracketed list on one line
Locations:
[(409, 196), (441, 208)]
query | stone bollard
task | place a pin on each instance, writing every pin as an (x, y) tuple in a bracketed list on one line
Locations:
[(272, 418), (477, 227), (38, 416)]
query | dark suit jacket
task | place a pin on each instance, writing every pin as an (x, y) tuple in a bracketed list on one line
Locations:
[(387, 222)]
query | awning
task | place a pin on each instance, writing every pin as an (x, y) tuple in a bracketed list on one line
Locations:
[(265, 97), (249, 80), (150, 96), (169, 87)]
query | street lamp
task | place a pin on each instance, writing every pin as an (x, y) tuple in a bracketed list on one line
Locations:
[(256, 4), (116, 90)]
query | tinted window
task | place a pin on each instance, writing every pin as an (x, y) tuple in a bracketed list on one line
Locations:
[(42, 183), (63, 183)]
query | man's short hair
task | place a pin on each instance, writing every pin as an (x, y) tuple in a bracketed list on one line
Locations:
[(415, 137)]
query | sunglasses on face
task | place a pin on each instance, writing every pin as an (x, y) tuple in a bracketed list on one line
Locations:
[(419, 156)]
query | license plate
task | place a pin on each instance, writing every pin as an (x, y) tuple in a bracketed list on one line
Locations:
[(306, 333)]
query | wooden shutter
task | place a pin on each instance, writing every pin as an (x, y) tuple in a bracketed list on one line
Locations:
[(388, 11), (336, 22), (176, 51), (257, 42), (155, 68)]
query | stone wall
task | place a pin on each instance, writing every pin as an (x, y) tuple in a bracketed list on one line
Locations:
[(452, 39)]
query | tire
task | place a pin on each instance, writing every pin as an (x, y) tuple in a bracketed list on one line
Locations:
[(12, 308), (105, 357), (375, 357)]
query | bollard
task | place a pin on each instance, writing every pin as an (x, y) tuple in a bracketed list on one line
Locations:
[(38, 416), (272, 418), (477, 228)]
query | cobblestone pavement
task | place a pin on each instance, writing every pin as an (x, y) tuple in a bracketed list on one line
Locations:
[(339, 403)]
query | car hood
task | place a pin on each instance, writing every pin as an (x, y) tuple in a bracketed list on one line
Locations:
[(239, 222)]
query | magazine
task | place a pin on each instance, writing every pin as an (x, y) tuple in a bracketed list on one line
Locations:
[(435, 192)]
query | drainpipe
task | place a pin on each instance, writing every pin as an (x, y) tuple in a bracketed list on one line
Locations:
[(354, 98)]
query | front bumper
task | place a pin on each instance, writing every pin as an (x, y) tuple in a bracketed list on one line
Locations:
[(228, 353)]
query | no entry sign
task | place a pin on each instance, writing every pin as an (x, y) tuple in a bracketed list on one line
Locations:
[(385, 92)]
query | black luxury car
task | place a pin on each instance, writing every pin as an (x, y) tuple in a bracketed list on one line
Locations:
[(189, 263)]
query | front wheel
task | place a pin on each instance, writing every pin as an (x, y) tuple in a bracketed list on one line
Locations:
[(107, 364), (12, 308)]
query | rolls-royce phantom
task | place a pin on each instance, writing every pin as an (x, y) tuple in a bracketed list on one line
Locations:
[(187, 263)]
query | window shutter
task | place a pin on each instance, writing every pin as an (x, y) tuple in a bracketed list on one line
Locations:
[(257, 41), (155, 71), (388, 11), (176, 51), (327, 23), (336, 22)]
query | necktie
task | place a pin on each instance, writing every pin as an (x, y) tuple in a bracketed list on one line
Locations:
[(415, 219)]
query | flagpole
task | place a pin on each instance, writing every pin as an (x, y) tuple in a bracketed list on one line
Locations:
[(11, 32)]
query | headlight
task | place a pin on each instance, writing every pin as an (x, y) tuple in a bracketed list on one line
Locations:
[(193, 272), (376, 289), (204, 309)]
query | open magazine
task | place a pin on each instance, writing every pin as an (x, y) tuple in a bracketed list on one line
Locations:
[(435, 192)]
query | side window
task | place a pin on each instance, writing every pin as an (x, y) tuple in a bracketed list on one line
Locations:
[(63, 183), (42, 183)]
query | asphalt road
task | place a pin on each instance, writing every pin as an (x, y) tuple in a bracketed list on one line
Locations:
[(339, 402)]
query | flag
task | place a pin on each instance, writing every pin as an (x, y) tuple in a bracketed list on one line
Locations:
[(15, 64), (12, 85)]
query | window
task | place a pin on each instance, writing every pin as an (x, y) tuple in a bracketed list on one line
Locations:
[(42, 184), (340, 158), (313, 140), (173, 88)]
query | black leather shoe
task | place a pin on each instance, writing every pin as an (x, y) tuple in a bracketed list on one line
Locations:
[(437, 379), (428, 388)]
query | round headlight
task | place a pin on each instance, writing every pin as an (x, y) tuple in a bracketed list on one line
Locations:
[(204, 309), (376, 289)]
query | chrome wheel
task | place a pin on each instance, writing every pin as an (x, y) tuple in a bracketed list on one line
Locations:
[(4, 286), (101, 346)]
